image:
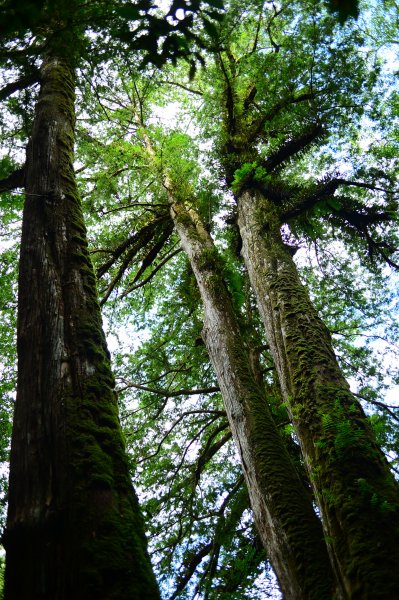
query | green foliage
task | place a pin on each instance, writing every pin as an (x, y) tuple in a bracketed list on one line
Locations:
[(173, 435), (2, 569), (344, 9), (179, 434), (286, 73), (18, 19), (242, 176), (8, 261)]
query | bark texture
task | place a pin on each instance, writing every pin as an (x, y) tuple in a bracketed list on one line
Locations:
[(354, 487), (74, 527), (286, 521)]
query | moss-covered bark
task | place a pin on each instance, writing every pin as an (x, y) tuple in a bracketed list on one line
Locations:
[(356, 492), (286, 521), (74, 527)]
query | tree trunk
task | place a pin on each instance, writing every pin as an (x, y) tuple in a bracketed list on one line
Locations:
[(74, 527), (354, 487), (286, 521)]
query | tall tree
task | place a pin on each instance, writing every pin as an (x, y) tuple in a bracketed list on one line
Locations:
[(259, 135), (262, 136), (286, 521), (121, 122), (74, 527)]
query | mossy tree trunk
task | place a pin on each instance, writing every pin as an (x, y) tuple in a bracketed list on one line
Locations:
[(286, 521), (356, 492), (74, 527)]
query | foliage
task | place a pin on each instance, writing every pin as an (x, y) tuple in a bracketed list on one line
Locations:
[(276, 76), (2, 567)]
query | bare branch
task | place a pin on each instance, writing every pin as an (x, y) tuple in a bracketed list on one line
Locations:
[(256, 39), (211, 450), (385, 407), (169, 431), (231, 121), (154, 251), (137, 240), (269, 26), (362, 184), (190, 569), (193, 562)]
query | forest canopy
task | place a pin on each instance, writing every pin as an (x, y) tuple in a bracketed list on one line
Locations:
[(237, 167)]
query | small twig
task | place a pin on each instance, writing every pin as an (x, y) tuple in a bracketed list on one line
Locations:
[(386, 407)]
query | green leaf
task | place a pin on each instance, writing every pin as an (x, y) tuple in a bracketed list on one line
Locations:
[(210, 28), (129, 11), (344, 9), (217, 4), (334, 203)]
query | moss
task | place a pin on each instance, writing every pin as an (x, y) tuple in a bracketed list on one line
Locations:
[(339, 446), (276, 478), (209, 260), (287, 500), (106, 529)]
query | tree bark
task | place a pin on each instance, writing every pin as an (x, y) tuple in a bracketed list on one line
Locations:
[(355, 490), (74, 527), (284, 516)]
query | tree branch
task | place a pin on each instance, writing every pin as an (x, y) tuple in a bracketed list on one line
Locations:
[(181, 85), (159, 266), (211, 450), (258, 125), (379, 404), (323, 190), (137, 240), (174, 393), (19, 84), (231, 122), (328, 188), (292, 146), (153, 253), (190, 569), (15, 180)]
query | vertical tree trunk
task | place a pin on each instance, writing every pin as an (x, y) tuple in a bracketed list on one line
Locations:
[(285, 518), (354, 487), (74, 528)]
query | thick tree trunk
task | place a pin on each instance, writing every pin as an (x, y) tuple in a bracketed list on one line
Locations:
[(74, 528), (354, 487), (286, 521)]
